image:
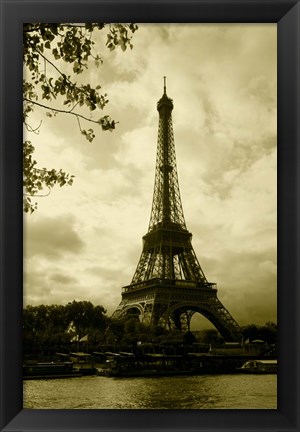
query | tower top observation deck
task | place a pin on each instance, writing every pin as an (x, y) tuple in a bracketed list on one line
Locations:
[(165, 101)]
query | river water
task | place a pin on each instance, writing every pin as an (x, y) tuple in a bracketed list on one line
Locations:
[(189, 392)]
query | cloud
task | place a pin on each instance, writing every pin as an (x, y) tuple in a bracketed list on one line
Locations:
[(62, 279), (52, 237), (36, 288)]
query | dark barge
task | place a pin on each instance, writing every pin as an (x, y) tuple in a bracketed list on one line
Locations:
[(49, 370), (75, 364), (118, 365)]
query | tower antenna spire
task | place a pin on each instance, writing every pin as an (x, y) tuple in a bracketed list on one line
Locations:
[(165, 86)]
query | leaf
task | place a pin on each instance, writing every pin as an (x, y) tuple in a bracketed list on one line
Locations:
[(55, 53)]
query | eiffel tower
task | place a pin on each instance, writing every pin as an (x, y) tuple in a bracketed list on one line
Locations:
[(169, 285)]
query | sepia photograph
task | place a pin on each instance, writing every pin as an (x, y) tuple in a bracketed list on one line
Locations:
[(150, 216)]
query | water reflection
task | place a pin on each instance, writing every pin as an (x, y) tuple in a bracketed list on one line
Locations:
[(190, 392)]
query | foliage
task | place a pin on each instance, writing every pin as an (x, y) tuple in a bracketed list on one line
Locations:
[(85, 316), (35, 179), (189, 338), (267, 333), (50, 50), (48, 329), (211, 336)]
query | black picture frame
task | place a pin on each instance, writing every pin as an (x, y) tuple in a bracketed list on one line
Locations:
[(286, 13)]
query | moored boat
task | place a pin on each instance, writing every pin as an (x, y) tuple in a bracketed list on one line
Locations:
[(121, 365), (259, 367), (49, 370), (75, 364)]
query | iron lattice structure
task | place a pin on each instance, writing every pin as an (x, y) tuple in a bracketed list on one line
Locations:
[(169, 285)]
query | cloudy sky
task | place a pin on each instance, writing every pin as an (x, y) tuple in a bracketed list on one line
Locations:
[(84, 241)]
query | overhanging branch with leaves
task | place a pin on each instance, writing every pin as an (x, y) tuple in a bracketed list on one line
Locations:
[(44, 45)]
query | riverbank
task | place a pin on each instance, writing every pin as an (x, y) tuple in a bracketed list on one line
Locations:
[(129, 365)]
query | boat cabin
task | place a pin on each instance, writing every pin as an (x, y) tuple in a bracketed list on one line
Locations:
[(260, 366)]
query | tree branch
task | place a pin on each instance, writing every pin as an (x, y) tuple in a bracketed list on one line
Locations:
[(31, 129), (62, 111), (62, 74), (53, 65)]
